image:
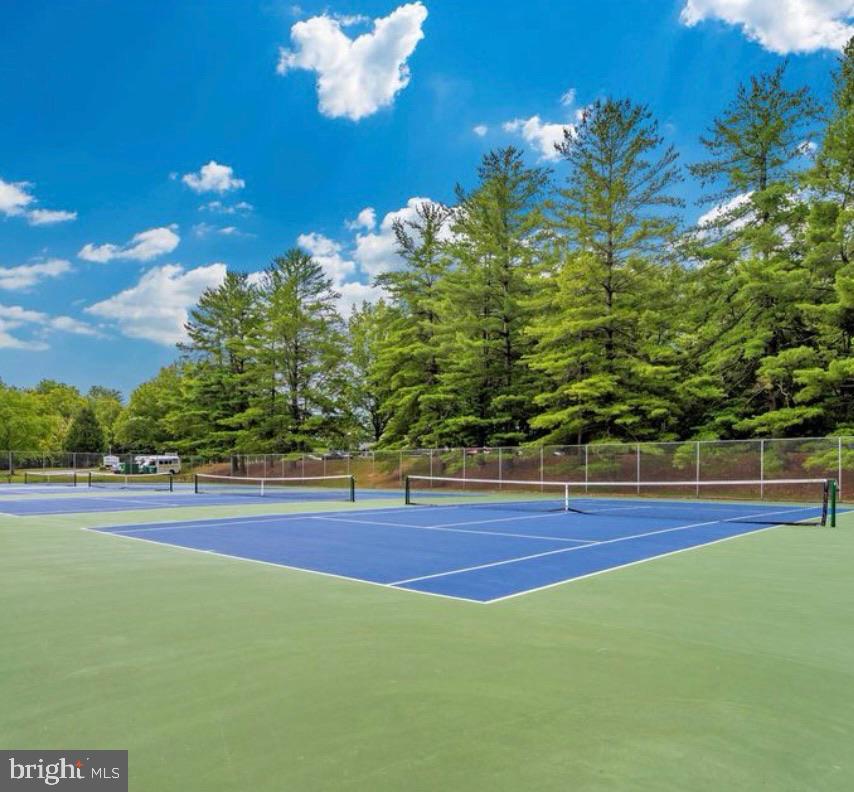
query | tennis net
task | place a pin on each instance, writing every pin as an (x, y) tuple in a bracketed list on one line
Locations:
[(59, 478), (298, 488), (773, 502), (163, 482)]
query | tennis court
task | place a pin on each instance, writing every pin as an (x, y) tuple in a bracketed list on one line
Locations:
[(492, 546), (95, 493)]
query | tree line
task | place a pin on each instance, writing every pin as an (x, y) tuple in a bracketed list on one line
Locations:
[(562, 306)]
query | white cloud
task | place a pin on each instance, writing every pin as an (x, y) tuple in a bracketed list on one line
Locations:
[(327, 253), (367, 219), (26, 276), (480, 130), (49, 216), (69, 325), (781, 26), (707, 221), (203, 230), (376, 252), (356, 77), (807, 148), (540, 136), (353, 294), (143, 246), (156, 307), (14, 317), (218, 207), (213, 177), (15, 197), (256, 278)]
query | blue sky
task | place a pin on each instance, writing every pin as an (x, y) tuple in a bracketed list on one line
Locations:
[(145, 147)]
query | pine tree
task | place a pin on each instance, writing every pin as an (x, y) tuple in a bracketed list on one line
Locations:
[(300, 376), (604, 318), (219, 382), (367, 393), (751, 276), (486, 390), (408, 360), (85, 433)]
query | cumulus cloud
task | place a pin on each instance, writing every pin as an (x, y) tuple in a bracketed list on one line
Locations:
[(213, 177), (144, 246), (38, 325), (156, 307), (540, 135), (355, 76), (26, 276), (353, 294), (781, 26), (16, 198), (376, 252), (733, 214), (367, 218), (327, 253), (480, 130)]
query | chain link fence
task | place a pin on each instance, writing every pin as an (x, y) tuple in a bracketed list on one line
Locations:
[(688, 461)]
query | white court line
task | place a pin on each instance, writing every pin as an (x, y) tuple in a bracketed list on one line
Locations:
[(451, 529), (632, 563), (212, 522), (281, 566), (583, 547), (172, 526)]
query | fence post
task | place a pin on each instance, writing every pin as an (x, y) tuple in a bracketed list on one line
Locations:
[(839, 466), (464, 462), (762, 468), (542, 470), (637, 466), (697, 468), (586, 462), (500, 458)]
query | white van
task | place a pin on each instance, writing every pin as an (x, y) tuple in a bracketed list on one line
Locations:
[(158, 463)]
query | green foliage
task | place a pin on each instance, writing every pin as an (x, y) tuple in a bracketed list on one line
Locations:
[(144, 425), (485, 388), (85, 433), (25, 422), (603, 306), (409, 360), (566, 307)]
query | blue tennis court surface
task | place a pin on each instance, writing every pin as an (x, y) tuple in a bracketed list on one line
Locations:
[(465, 552), (32, 501)]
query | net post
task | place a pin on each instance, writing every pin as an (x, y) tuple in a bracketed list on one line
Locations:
[(171, 482), (89, 479), (352, 492), (566, 497), (196, 483), (74, 479), (407, 497), (833, 503)]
